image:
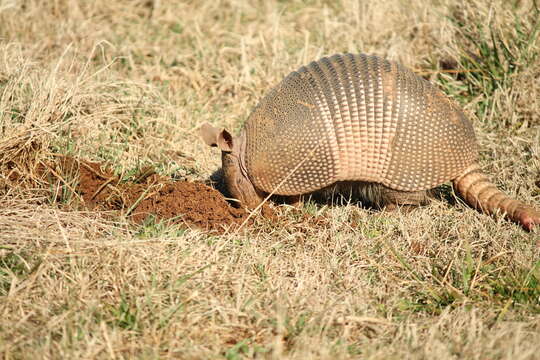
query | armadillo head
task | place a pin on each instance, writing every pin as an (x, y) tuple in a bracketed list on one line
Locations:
[(233, 164)]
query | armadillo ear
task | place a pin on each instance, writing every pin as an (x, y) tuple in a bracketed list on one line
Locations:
[(209, 134), (214, 137), (225, 141)]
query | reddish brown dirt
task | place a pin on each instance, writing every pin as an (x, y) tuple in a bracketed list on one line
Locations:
[(191, 203), (89, 185), (149, 195)]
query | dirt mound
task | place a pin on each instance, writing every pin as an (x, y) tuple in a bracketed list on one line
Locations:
[(81, 184), (192, 203), (147, 195)]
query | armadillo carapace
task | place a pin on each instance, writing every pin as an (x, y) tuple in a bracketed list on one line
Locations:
[(365, 123)]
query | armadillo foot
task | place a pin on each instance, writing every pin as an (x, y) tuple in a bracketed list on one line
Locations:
[(393, 198), (296, 201), (403, 208)]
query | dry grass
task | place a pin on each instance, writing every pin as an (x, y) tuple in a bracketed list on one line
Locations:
[(127, 82)]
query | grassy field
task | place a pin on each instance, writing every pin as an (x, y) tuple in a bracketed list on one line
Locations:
[(126, 83)]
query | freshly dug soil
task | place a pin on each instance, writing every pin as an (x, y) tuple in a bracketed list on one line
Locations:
[(190, 203), (79, 184)]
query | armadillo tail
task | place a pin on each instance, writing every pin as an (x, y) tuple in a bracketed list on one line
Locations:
[(476, 189)]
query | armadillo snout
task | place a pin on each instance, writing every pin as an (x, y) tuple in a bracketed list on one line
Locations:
[(237, 182)]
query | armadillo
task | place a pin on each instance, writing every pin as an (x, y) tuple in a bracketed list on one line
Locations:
[(362, 121)]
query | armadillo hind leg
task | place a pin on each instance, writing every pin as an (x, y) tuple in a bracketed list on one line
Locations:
[(476, 189), (370, 194), (407, 200)]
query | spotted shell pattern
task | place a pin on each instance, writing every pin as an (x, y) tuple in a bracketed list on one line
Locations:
[(356, 118)]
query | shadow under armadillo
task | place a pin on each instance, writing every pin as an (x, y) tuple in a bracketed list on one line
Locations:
[(373, 196), (369, 196)]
